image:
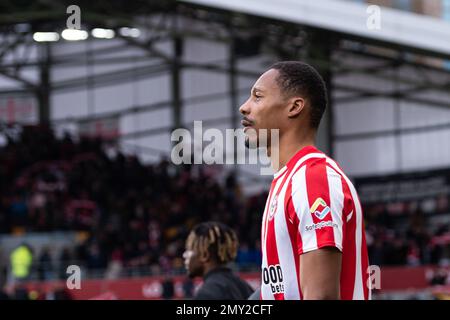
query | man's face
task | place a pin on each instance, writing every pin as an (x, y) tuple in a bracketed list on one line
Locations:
[(263, 109), (192, 263)]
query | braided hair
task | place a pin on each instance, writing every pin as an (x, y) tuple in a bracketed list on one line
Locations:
[(214, 241)]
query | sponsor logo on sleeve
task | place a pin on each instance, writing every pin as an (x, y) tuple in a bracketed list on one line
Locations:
[(320, 208)]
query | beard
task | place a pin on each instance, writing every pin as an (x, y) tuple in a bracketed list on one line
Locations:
[(251, 139), (195, 272), (247, 142), (251, 144)]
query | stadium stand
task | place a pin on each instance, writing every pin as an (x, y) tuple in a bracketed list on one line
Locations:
[(134, 218)]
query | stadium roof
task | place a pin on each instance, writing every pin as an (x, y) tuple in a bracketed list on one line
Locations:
[(418, 33)]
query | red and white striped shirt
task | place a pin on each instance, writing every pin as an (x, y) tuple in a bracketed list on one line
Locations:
[(312, 204)]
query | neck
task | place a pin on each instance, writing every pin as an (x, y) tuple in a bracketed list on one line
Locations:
[(289, 144)]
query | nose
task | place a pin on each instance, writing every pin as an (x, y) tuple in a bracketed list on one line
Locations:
[(244, 108)]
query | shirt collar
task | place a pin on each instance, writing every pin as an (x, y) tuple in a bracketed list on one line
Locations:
[(291, 163), (216, 270)]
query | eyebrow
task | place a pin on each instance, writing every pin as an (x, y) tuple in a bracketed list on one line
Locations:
[(256, 89)]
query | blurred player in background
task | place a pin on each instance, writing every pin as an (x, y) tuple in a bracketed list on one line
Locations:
[(209, 248), (312, 237)]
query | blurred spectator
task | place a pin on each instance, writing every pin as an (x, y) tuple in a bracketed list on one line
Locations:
[(65, 260), (18, 211), (45, 265), (95, 258), (188, 288), (247, 256), (21, 259), (168, 289), (115, 266), (439, 277)]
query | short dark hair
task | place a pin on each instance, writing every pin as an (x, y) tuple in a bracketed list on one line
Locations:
[(299, 78), (214, 240)]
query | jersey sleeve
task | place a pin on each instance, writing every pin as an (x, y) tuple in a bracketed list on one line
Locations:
[(316, 205)]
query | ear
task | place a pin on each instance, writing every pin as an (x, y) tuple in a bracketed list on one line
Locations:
[(296, 105), (204, 257)]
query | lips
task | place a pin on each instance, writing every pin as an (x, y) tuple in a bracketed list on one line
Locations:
[(246, 123)]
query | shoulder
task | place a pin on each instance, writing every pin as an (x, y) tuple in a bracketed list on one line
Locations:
[(310, 171), (213, 285), (315, 169), (210, 290), (223, 286), (315, 179)]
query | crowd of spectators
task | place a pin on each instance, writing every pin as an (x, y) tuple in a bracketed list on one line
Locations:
[(136, 217), (406, 240)]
